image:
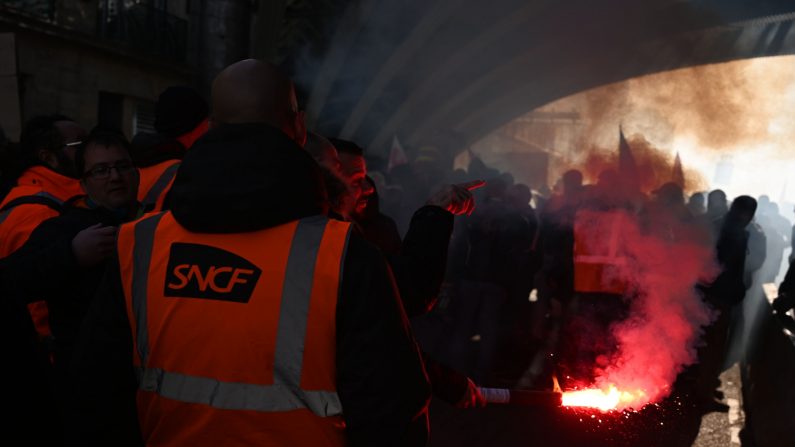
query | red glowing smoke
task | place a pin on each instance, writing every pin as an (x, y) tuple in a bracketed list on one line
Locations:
[(654, 166), (666, 257)]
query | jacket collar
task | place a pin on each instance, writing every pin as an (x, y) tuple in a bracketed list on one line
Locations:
[(58, 185)]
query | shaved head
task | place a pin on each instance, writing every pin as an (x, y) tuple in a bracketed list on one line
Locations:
[(253, 91)]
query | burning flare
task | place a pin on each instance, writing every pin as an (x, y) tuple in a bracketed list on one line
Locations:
[(604, 400)]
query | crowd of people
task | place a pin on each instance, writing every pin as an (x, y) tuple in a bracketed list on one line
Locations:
[(237, 279)]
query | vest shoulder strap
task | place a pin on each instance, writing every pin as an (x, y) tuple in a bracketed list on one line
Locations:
[(160, 186), (42, 198)]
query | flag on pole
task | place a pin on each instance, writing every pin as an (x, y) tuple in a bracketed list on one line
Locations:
[(627, 168), (678, 174), (397, 156)]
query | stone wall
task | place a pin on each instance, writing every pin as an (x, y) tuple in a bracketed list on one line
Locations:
[(62, 76)]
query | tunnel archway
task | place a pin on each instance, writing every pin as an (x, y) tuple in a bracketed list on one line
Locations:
[(464, 68)]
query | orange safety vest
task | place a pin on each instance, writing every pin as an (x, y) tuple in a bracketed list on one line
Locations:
[(235, 334), (598, 251), (18, 222), (155, 183)]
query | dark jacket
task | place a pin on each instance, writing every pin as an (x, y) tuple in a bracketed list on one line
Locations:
[(149, 149), (68, 289), (246, 178), (33, 416), (420, 266), (378, 228), (729, 287), (497, 237)]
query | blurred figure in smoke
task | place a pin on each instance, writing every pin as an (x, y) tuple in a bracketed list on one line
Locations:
[(697, 204), (667, 217), (586, 340), (496, 236), (554, 281), (786, 300), (522, 321), (717, 206), (557, 226), (776, 239), (723, 294)]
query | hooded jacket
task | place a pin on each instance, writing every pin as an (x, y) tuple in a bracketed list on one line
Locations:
[(250, 177)]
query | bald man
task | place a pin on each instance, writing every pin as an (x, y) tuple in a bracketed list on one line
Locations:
[(265, 322), (253, 91)]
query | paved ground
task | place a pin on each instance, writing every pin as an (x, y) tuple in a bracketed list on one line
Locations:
[(674, 422), (722, 429)]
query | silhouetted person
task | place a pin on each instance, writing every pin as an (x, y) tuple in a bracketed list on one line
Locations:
[(725, 292), (697, 204), (717, 206)]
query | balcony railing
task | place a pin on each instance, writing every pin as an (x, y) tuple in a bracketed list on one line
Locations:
[(144, 28), (138, 25), (44, 9)]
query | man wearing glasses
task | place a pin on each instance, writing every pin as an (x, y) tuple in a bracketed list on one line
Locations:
[(70, 250)]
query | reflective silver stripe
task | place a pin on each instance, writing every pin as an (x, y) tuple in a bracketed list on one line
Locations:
[(237, 396), (296, 295), (4, 215), (142, 255), (160, 185)]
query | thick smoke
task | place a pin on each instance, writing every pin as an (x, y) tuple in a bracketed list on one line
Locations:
[(722, 106), (665, 260), (655, 166), (736, 112)]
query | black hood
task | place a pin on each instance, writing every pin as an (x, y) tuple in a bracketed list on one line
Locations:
[(149, 149), (245, 177)]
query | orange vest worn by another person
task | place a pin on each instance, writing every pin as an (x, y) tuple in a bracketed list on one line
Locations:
[(599, 256), (156, 180), (39, 193), (235, 334), (155, 183)]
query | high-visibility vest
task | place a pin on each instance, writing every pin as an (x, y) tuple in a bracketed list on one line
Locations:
[(156, 181), (36, 198), (235, 334), (599, 255)]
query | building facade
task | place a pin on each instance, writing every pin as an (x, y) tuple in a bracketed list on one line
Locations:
[(106, 61)]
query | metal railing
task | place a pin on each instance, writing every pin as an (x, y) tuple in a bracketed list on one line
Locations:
[(44, 9), (143, 27), (139, 25)]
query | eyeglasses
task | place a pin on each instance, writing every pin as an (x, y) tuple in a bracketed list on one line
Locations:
[(103, 171), (72, 144)]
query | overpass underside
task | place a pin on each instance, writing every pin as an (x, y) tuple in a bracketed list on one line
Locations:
[(450, 72)]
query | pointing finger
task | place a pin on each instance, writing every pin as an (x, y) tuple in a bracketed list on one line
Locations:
[(473, 185)]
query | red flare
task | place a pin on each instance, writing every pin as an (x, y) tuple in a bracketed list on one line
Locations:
[(605, 400)]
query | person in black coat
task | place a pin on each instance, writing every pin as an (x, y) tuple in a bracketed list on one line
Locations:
[(418, 262), (725, 292)]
